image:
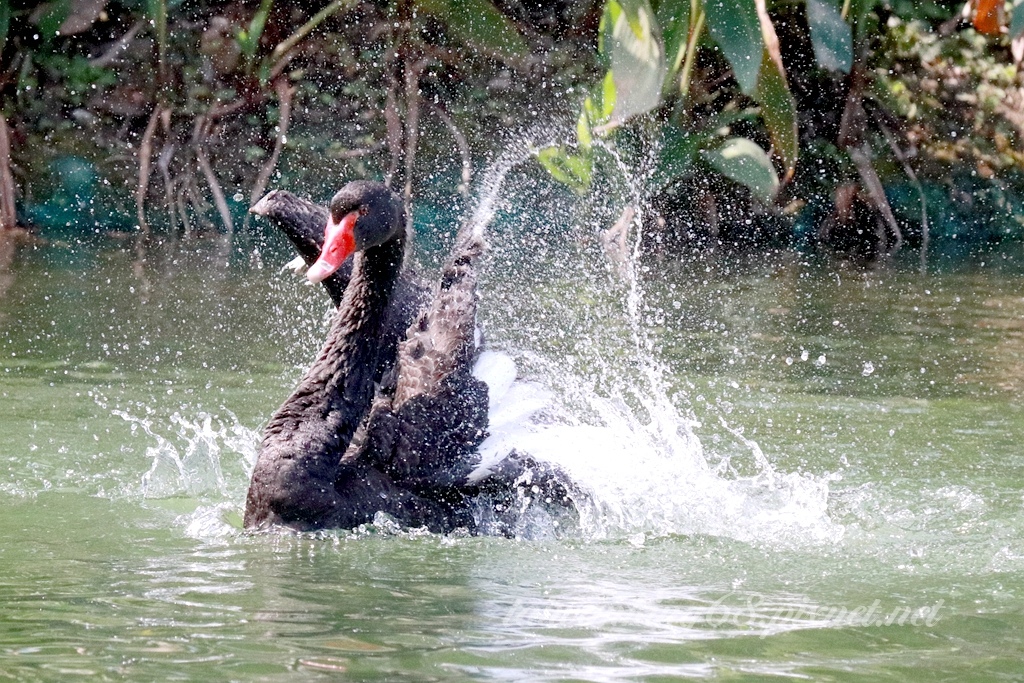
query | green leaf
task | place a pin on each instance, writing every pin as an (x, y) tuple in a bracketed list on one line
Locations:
[(583, 136), (572, 170), (633, 18), (858, 14), (601, 103), (609, 17), (778, 108), (677, 152), (256, 26), (631, 44), (53, 16), (831, 37), (607, 96), (479, 23), (244, 43), (735, 27), (744, 162), (1017, 19), (674, 20), (5, 22)]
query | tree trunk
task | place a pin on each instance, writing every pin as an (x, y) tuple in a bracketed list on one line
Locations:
[(8, 215)]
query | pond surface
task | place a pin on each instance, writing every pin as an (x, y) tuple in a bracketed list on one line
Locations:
[(828, 481)]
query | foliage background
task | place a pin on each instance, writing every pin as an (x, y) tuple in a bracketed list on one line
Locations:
[(170, 116)]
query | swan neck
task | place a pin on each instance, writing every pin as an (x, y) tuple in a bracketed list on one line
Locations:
[(300, 457)]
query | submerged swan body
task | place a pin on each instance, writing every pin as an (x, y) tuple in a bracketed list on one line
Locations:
[(416, 455)]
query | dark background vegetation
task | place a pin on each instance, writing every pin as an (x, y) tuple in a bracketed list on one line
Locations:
[(149, 117)]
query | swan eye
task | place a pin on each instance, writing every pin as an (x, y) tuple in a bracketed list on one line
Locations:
[(363, 210)]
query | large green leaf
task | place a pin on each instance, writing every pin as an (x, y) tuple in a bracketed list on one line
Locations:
[(1017, 19), (743, 161), (778, 108), (778, 111), (630, 42), (737, 30), (831, 36), (674, 20), (479, 23)]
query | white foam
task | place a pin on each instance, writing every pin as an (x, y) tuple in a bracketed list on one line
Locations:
[(498, 371)]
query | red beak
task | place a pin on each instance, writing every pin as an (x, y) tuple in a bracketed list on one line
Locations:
[(339, 243)]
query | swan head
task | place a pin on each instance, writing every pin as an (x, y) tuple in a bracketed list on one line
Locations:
[(363, 214)]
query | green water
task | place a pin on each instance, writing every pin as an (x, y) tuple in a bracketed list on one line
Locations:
[(131, 400)]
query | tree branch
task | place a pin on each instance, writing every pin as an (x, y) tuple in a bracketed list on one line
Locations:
[(8, 213), (285, 46), (199, 144), (393, 123), (412, 127), (873, 184), (461, 143), (285, 92), (145, 163), (908, 169)]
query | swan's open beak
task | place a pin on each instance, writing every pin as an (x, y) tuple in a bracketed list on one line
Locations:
[(339, 243)]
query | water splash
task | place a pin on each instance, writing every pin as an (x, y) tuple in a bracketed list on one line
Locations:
[(202, 457), (489, 189), (582, 331), (645, 473)]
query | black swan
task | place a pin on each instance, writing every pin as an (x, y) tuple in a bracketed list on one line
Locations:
[(418, 441)]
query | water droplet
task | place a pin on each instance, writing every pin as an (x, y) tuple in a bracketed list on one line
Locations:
[(868, 368)]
